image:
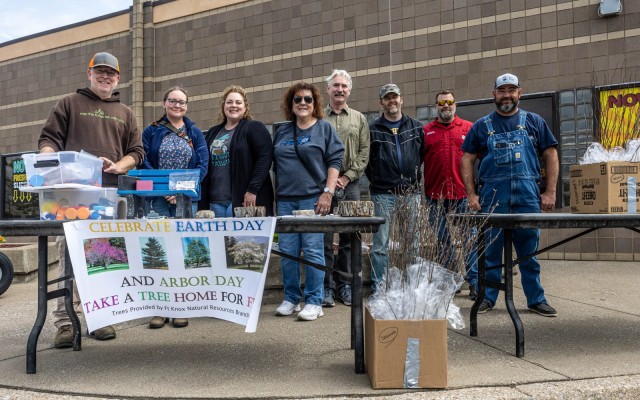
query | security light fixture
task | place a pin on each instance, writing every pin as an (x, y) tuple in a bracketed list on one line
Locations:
[(609, 7)]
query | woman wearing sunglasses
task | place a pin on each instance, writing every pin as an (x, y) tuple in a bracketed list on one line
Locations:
[(240, 159), (173, 142), (307, 158)]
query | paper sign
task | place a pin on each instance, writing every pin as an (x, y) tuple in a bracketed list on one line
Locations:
[(176, 268)]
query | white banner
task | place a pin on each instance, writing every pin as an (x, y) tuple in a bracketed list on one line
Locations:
[(176, 268)]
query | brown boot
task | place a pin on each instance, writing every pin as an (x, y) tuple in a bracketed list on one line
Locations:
[(180, 322), (64, 337), (106, 333), (157, 322)]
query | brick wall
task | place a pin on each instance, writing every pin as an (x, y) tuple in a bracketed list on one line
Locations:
[(265, 46)]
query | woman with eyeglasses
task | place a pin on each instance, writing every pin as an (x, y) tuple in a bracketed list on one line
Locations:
[(307, 157), (173, 142), (240, 159)]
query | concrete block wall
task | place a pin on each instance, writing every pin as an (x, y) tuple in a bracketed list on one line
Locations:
[(423, 45), (24, 257)]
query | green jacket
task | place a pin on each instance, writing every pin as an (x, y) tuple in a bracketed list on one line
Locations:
[(353, 130)]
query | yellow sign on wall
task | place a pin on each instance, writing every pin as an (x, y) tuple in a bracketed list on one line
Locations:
[(619, 121)]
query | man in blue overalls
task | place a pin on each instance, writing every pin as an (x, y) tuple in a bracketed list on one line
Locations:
[(509, 142)]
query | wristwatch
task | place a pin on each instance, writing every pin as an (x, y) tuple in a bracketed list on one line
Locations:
[(327, 190)]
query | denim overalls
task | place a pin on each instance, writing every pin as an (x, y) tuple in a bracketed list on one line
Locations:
[(509, 176)]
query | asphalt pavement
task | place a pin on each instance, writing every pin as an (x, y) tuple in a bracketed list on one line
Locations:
[(591, 350)]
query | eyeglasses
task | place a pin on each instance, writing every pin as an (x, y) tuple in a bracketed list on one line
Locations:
[(307, 99), (441, 103), (108, 72), (180, 103)]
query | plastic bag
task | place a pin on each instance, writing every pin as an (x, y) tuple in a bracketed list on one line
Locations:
[(423, 291), (188, 180), (454, 317), (633, 151), (617, 154), (596, 153)]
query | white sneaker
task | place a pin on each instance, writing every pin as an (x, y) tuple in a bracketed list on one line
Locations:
[(287, 308), (310, 312)]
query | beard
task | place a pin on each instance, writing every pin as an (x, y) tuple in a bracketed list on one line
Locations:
[(392, 110), (507, 108), (446, 115)]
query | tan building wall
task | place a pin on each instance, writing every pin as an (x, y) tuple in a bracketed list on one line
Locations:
[(422, 45)]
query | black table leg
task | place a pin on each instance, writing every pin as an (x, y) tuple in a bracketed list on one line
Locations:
[(473, 320), (68, 301), (139, 207), (32, 342), (131, 206), (508, 291), (183, 206), (357, 330)]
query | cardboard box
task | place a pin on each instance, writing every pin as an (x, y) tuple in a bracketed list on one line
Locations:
[(71, 204), (604, 188), (385, 351), (64, 167)]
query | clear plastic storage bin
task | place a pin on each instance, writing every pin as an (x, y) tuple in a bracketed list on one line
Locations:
[(72, 204), (48, 169)]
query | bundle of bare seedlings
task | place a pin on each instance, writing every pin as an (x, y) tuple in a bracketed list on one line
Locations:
[(425, 263)]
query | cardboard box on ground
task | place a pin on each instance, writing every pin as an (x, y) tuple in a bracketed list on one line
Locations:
[(387, 348), (605, 188)]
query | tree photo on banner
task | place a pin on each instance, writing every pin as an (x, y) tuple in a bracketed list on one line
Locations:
[(181, 268)]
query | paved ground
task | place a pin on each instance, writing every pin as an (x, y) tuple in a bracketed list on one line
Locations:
[(592, 350)]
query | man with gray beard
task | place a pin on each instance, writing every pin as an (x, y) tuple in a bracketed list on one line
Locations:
[(443, 185), (510, 141)]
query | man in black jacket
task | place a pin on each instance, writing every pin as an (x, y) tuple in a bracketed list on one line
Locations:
[(394, 169)]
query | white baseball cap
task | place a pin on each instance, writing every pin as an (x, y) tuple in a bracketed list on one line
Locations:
[(507, 79)]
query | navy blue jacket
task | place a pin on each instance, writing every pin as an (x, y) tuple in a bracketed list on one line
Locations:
[(384, 171), (152, 139)]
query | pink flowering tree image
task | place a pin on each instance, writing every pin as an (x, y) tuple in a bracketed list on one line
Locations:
[(105, 254)]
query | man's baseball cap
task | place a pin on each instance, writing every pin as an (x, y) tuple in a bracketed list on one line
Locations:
[(389, 88), (104, 59), (507, 79)]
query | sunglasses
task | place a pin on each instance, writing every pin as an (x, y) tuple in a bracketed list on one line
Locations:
[(443, 102), (307, 99)]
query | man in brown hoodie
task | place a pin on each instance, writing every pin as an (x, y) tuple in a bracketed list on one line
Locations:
[(92, 120)]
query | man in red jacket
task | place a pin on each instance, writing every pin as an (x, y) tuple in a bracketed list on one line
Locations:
[(443, 186)]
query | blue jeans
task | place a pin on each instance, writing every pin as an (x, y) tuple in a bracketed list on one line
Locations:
[(439, 214), (312, 247), (164, 209), (514, 196), (384, 204), (222, 210)]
